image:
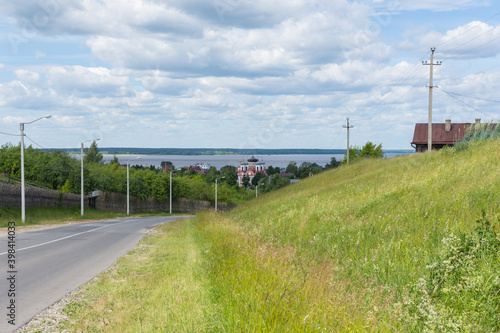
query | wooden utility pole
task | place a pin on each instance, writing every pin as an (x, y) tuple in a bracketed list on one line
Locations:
[(429, 130), (348, 126)]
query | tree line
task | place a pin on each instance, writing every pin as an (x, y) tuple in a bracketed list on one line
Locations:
[(58, 170)]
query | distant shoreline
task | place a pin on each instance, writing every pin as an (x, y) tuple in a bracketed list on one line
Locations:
[(219, 151)]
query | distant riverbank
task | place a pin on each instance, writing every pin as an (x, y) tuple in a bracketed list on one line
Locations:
[(222, 160)]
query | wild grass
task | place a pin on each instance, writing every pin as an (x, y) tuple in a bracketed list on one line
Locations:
[(406, 244), (158, 287)]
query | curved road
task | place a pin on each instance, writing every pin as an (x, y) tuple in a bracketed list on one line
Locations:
[(52, 262)]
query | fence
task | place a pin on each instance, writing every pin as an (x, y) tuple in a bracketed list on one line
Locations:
[(10, 195)]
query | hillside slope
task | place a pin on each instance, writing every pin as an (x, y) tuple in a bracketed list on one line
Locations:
[(351, 248)]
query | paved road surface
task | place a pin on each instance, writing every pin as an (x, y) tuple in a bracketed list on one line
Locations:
[(52, 262)]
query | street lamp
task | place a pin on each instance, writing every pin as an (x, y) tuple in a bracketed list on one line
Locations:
[(128, 186), (23, 198), (170, 196), (216, 191), (81, 160)]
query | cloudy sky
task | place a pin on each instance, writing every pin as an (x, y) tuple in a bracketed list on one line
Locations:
[(241, 73)]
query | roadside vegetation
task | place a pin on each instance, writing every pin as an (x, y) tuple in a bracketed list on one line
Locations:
[(407, 244)]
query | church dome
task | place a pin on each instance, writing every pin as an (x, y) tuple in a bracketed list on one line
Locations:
[(252, 159)]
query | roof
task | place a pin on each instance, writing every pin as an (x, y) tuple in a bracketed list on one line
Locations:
[(439, 135), (252, 159)]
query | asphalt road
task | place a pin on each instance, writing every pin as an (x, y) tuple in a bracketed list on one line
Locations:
[(51, 263)]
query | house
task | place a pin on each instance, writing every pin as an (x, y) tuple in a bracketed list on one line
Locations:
[(443, 134), (250, 169)]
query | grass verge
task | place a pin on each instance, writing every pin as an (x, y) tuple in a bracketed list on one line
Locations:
[(160, 286)]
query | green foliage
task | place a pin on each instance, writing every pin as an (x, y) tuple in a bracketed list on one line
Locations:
[(229, 171), (460, 292), (258, 176), (66, 188), (114, 160), (292, 167), (333, 163), (306, 169), (275, 182), (368, 150), (92, 154), (478, 133), (245, 180)]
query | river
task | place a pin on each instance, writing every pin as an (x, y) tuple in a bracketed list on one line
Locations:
[(221, 160)]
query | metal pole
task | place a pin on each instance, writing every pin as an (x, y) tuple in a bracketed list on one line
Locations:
[(348, 140), (81, 192), (23, 200), (429, 127), (23, 193), (128, 197), (429, 130), (348, 126), (171, 192), (216, 194), (256, 190)]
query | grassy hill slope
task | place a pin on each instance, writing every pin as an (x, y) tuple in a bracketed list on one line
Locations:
[(362, 247), (401, 244)]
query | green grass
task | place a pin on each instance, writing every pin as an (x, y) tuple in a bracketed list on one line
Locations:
[(40, 216), (394, 245), (160, 286)]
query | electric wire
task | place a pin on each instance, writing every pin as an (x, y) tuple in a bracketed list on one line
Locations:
[(469, 105)]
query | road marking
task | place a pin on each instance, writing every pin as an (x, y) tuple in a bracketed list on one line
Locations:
[(70, 236)]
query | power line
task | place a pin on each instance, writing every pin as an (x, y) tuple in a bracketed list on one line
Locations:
[(10, 134), (468, 104), (33, 141), (463, 33), (482, 99)]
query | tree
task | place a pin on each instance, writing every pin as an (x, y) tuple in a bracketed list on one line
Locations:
[(306, 168), (333, 163), (92, 154), (273, 170), (114, 160), (258, 176), (292, 167), (229, 171), (245, 180), (275, 182), (368, 150)]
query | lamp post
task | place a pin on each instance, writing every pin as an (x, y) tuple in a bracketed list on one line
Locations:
[(170, 196), (216, 191), (256, 190), (23, 198), (81, 178), (128, 185)]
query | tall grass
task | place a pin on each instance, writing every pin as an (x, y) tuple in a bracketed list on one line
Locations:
[(375, 225)]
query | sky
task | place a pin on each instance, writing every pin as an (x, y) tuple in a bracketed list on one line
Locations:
[(241, 73)]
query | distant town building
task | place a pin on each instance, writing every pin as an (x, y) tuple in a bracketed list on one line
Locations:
[(443, 134), (250, 168), (167, 167)]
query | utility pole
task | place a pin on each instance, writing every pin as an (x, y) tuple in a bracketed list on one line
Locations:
[(348, 126), (429, 130)]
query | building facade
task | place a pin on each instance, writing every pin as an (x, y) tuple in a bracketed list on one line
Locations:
[(250, 168)]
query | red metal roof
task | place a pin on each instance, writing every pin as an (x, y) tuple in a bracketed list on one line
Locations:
[(439, 135)]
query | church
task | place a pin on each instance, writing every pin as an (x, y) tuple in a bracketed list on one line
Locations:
[(250, 169)]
